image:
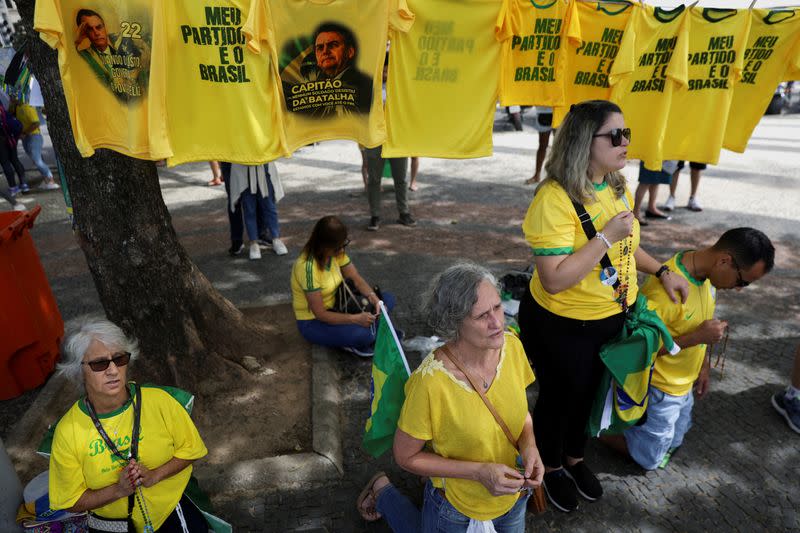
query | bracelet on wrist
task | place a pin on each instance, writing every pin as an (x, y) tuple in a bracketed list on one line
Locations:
[(601, 236), (661, 271)]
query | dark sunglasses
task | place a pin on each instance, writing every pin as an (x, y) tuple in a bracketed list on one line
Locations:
[(99, 365), (616, 135), (344, 244), (740, 282)]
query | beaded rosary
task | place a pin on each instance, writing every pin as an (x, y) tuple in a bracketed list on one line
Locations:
[(622, 288)]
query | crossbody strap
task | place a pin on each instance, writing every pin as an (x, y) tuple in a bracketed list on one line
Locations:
[(450, 355), (590, 231)]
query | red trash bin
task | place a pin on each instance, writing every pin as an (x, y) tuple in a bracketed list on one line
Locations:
[(31, 327)]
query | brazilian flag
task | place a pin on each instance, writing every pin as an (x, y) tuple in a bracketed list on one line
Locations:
[(621, 398), (389, 375)]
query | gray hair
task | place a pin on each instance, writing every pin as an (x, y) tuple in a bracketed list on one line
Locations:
[(80, 334), (451, 296)]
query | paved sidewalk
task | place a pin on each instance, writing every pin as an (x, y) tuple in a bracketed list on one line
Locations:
[(740, 465)]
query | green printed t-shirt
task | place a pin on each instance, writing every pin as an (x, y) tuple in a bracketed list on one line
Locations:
[(329, 56), (532, 61), (442, 86), (80, 460), (772, 55), (104, 52), (592, 39), (642, 83), (221, 98), (675, 374), (552, 227), (699, 112), (308, 276), (450, 415)]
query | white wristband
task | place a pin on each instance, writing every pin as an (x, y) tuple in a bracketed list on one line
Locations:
[(602, 237)]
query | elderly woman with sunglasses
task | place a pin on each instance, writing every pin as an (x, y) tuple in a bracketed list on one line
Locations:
[(478, 471), (90, 469), (576, 304), (322, 267)]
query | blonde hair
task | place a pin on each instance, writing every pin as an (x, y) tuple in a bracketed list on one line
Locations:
[(568, 162)]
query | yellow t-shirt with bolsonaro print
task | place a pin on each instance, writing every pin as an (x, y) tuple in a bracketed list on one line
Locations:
[(220, 98), (641, 83), (104, 53), (591, 42), (532, 63), (675, 374), (329, 56), (772, 55)]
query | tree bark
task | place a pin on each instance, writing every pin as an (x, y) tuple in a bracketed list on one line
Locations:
[(146, 281)]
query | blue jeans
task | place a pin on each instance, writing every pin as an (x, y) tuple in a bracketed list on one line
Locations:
[(668, 419), (438, 515), (32, 144), (342, 335), (265, 222)]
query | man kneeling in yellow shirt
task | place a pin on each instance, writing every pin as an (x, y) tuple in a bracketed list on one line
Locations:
[(740, 257)]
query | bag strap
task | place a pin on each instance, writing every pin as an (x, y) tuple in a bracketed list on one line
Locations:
[(590, 231), (351, 294), (450, 355)]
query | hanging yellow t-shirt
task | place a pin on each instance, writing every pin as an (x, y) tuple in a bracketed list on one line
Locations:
[(330, 56), (699, 111), (28, 116), (80, 459), (442, 87), (552, 227), (451, 415), (641, 83), (531, 67), (220, 98), (772, 54), (104, 52), (307, 276), (592, 39), (675, 374)]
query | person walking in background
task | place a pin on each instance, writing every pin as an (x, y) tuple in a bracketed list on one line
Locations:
[(32, 140), (649, 180), (543, 124), (216, 174), (414, 170), (10, 128), (694, 172)]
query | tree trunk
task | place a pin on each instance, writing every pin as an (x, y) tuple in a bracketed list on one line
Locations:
[(147, 283)]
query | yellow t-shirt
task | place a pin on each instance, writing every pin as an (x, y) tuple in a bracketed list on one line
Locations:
[(552, 227), (442, 86), (27, 115), (106, 83), (330, 55), (641, 83), (773, 52), (592, 39), (676, 374), (531, 67), (450, 415), (80, 459), (716, 45), (307, 276), (220, 98)]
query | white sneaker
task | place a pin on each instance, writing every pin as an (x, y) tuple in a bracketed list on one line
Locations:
[(51, 186), (670, 204), (279, 247), (694, 205), (255, 251), (20, 207)]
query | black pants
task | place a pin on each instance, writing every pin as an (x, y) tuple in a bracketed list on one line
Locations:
[(568, 369), (195, 521), (10, 162)]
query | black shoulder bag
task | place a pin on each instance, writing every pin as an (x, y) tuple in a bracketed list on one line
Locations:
[(98, 523)]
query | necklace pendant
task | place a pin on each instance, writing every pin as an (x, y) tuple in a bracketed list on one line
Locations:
[(485, 385)]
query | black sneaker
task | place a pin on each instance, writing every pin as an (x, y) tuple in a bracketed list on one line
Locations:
[(588, 485), (374, 223), (236, 249), (560, 490), (406, 220)]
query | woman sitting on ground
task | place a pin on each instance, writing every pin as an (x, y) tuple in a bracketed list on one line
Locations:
[(475, 473), (88, 474), (322, 266)]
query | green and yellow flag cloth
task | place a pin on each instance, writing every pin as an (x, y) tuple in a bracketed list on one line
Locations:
[(621, 398), (390, 372)]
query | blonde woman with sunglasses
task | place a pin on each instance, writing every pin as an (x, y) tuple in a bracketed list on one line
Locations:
[(575, 304)]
